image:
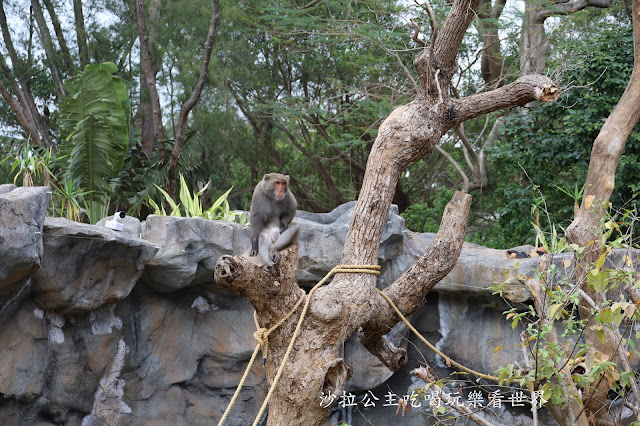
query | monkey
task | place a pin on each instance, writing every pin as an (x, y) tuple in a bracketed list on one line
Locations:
[(273, 207)]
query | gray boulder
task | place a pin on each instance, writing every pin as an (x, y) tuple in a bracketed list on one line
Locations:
[(322, 238), (477, 268), (7, 187), (23, 354), (189, 250), (188, 352), (190, 247), (85, 266), (22, 213)]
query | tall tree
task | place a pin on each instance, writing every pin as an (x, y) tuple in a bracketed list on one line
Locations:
[(194, 98), (310, 93), (585, 230), (68, 61), (19, 95), (534, 43), (42, 30), (471, 162), (150, 76), (351, 301), (81, 33)]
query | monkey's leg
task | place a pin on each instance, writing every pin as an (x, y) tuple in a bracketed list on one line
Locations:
[(288, 237), (268, 236)]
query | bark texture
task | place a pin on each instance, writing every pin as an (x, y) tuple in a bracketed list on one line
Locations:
[(81, 33), (45, 38), (19, 96), (150, 76), (605, 155), (491, 64), (351, 301)]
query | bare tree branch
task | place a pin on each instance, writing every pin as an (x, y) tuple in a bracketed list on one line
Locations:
[(454, 163), (195, 96), (409, 291), (518, 93), (60, 36)]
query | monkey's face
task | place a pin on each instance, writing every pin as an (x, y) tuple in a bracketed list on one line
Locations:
[(280, 189)]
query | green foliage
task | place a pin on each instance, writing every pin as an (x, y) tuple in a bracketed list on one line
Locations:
[(548, 149), (190, 205), (313, 83), (555, 337), (36, 166), (66, 201), (95, 133), (425, 217), (30, 162)]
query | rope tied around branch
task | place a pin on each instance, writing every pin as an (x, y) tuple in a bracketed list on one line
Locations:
[(447, 360), (262, 335)]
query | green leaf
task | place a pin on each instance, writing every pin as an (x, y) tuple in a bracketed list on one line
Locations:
[(555, 311), (175, 208), (95, 129), (211, 211)]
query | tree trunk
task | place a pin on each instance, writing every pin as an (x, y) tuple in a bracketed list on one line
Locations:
[(491, 62), (145, 113), (60, 36), (81, 33), (194, 98), (45, 38), (21, 100), (605, 155), (351, 301), (150, 77), (534, 43)]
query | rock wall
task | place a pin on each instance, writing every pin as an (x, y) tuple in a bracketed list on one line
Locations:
[(105, 327)]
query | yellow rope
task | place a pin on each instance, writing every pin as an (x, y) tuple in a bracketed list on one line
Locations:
[(433, 348), (364, 269), (262, 334)]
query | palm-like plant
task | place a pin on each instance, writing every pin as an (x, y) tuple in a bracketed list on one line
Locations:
[(95, 132)]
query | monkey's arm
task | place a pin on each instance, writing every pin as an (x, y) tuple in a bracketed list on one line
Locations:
[(256, 229), (289, 211), (285, 221)]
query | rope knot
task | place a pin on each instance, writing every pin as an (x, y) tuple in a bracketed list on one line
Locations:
[(261, 335)]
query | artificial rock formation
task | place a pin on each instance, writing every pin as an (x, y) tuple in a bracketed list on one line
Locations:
[(22, 212), (104, 327)]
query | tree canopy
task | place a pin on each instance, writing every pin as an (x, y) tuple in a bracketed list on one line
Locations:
[(302, 88)]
